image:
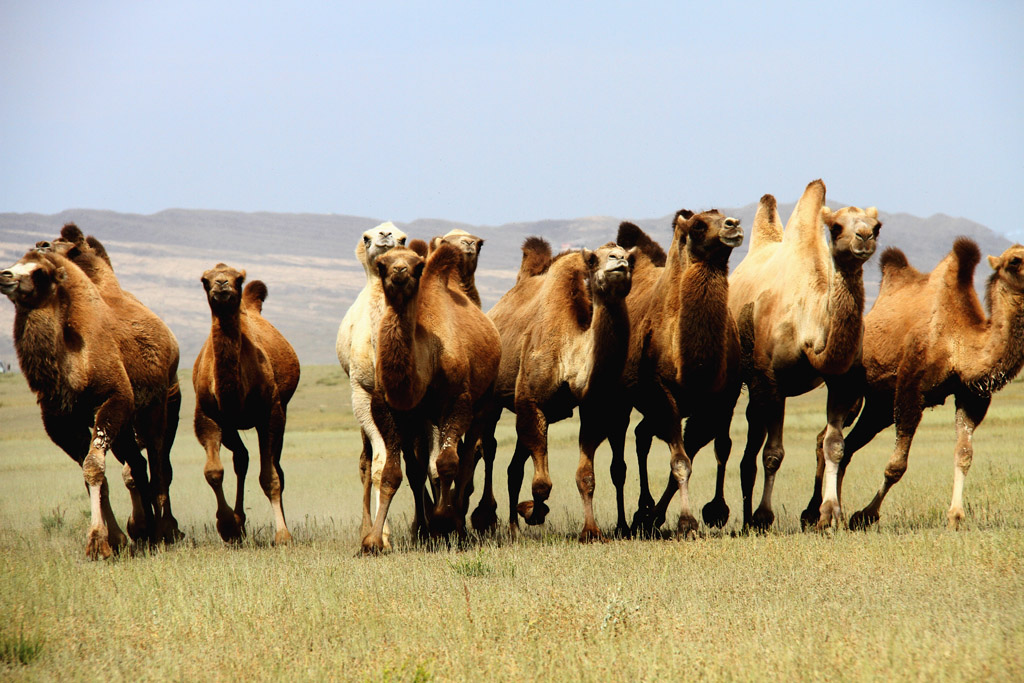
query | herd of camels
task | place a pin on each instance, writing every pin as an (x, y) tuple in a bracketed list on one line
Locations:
[(625, 326)]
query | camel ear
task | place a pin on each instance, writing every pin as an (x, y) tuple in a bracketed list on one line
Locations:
[(827, 217), (61, 274), (589, 258), (417, 270), (382, 270), (434, 244), (479, 245), (631, 257), (872, 211), (995, 262)]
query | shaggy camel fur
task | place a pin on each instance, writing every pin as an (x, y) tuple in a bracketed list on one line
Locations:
[(157, 425), (683, 362), (437, 357), (356, 347), (244, 376), (798, 300), (564, 333), (470, 246), (98, 377), (926, 338)]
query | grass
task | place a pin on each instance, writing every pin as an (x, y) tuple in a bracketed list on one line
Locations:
[(907, 600)]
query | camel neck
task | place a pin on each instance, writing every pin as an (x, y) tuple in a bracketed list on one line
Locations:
[(703, 318), (40, 343), (1004, 348), (844, 322), (609, 344), (226, 334), (396, 355)]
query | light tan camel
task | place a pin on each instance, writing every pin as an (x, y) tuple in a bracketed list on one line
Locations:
[(244, 376), (926, 338), (564, 334), (437, 357), (470, 246), (683, 362), (356, 348), (97, 378), (156, 425), (798, 299)]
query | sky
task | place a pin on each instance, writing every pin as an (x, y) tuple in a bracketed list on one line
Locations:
[(490, 113)]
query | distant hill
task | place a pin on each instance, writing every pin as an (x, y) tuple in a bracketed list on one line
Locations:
[(308, 263)]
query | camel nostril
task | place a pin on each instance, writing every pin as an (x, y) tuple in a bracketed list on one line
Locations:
[(7, 275)]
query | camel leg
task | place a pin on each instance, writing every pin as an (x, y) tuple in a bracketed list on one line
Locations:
[(141, 523), (391, 473), (682, 468), (907, 417), (110, 418), (450, 430), (209, 435), (515, 483), (591, 436), (362, 409), (160, 468), (771, 459), (619, 423), (416, 453), (271, 436), (484, 517), (700, 429), (532, 429), (841, 401), (644, 435), (970, 411), (757, 431)]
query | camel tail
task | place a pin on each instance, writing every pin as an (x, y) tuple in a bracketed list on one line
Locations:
[(72, 233), (967, 255), (254, 295), (767, 227), (630, 235), (420, 247), (536, 257)]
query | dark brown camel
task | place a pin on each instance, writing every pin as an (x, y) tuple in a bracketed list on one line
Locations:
[(98, 378), (244, 377), (927, 337), (156, 425), (683, 362), (564, 332), (798, 299), (437, 357)]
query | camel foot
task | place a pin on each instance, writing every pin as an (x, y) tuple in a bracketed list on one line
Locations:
[(762, 519), (97, 547), (591, 535), (622, 530), (862, 519), (956, 517), (533, 512), (484, 519), (136, 530), (282, 537), (645, 524), (809, 517), (715, 513), (372, 545), (168, 532), (687, 527), (443, 525), (231, 527), (830, 512)]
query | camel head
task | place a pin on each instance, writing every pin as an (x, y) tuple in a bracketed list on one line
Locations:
[(400, 270), (854, 234), (469, 245), (708, 236), (377, 241), (1008, 268), (34, 279), (223, 285), (610, 270)]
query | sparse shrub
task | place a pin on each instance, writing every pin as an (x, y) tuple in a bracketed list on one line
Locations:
[(19, 650), (54, 521)]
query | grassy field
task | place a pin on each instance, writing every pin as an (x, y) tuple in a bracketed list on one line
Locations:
[(908, 600)]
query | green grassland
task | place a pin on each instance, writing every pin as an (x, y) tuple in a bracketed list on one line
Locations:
[(907, 600)]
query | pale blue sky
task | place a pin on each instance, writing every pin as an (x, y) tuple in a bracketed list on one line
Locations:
[(495, 112)]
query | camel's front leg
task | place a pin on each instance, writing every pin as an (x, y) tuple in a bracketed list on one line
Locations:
[(970, 411), (532, 430), (141, 523), (208, 432), (451, 428), (644, 518), (592, 431), (618, 424), (373, 446), (104, 536), (841, 400), (271, 437), (756, 432), (771, 458), (391, 474)]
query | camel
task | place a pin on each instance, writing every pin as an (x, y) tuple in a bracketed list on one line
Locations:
[(470, 246), (157, 427), (564, 332), (356, 348), (244, 376), (437, 357), (682, 361), (99, 378), (799, 301), (927, 337)]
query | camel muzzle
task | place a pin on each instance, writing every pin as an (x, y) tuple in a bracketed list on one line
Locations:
[(8, 283)]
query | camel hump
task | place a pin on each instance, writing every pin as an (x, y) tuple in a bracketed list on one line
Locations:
[(968, 255), (420, 247), (893, 258), (98, 249), (254, 295), (767, 225), (536, 257), (72, 233), (443, 260), (630, 235)]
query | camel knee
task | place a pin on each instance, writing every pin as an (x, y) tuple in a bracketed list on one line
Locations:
[(448, 464), (964, 457), (832, 444), (894, 471), (214, 475), (773, 456), (585, 481), (270, 482), (390, 478), (94, 469), (618, 472), (541, 488)]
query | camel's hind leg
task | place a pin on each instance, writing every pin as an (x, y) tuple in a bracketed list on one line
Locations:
[(757, 431), (617, 426), (452, 426), (515, 484), (771, 459), (970, 411), (484, 517), (141, 523), (532, 431), (271, 437), (166, 525), (645, 517), (843, 397)]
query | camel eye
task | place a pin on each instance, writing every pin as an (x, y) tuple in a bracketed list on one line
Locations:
[(1015, 262)]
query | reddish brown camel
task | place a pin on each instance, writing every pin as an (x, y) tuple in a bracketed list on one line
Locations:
[(682, 362), (798, 299), (927, 337), (564, 330), (156, 424), (95, 375), (437, 357), (244, 376)]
